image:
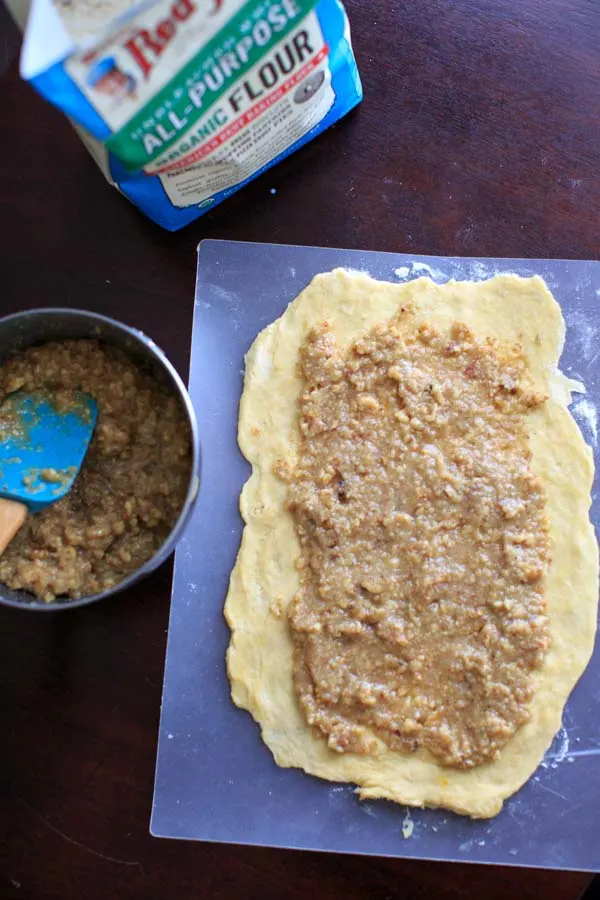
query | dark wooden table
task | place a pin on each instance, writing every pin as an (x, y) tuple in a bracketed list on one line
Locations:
[(479, 135)]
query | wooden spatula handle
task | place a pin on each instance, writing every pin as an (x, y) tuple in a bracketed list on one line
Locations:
[(12, 517)]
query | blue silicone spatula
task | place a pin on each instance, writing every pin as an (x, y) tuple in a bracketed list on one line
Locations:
[(42, 446)]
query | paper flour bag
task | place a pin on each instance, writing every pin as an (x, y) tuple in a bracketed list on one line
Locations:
[(183, 102)]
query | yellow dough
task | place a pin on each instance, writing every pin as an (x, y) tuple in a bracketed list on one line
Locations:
[(264, 578)]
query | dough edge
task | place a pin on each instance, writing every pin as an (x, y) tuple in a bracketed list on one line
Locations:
[(259, 658)]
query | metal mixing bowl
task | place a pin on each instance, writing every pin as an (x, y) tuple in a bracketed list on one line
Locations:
[(38, 326)]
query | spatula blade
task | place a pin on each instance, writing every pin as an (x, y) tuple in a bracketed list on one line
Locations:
[(42, 444)]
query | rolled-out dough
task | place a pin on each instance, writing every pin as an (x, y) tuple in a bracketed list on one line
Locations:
[(264, 578)]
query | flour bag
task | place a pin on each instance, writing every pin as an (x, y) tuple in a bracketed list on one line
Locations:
[(183, 102)]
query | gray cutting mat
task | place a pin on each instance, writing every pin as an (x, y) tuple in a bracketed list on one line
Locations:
[(215, 780)]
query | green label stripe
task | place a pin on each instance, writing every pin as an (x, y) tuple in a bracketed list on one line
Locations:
[(173, 103)]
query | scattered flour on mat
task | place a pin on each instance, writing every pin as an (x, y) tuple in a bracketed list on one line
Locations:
[(585, 332), (408, 826), (425, 269), (578, 754), (352, 271), (418, 269), (368, 809), (467, 846), (587, 415), (459, 269), (563, 748), (559, 750), (477, 271), (480, 271)]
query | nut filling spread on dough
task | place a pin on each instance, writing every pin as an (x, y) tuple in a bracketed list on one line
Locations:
[(424, 543), (131, 487)]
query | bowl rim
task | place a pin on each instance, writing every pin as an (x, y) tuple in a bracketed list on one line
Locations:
[(172, 539)]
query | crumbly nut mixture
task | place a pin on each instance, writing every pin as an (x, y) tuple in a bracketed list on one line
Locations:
[(424, 542), (132, 484)]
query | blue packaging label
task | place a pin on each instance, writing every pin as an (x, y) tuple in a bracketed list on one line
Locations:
[(185, 101)]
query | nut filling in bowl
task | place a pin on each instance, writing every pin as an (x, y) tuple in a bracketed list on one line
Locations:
[(132, 484)]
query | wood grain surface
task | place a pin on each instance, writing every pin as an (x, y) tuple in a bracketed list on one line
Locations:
[(479, 134)]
